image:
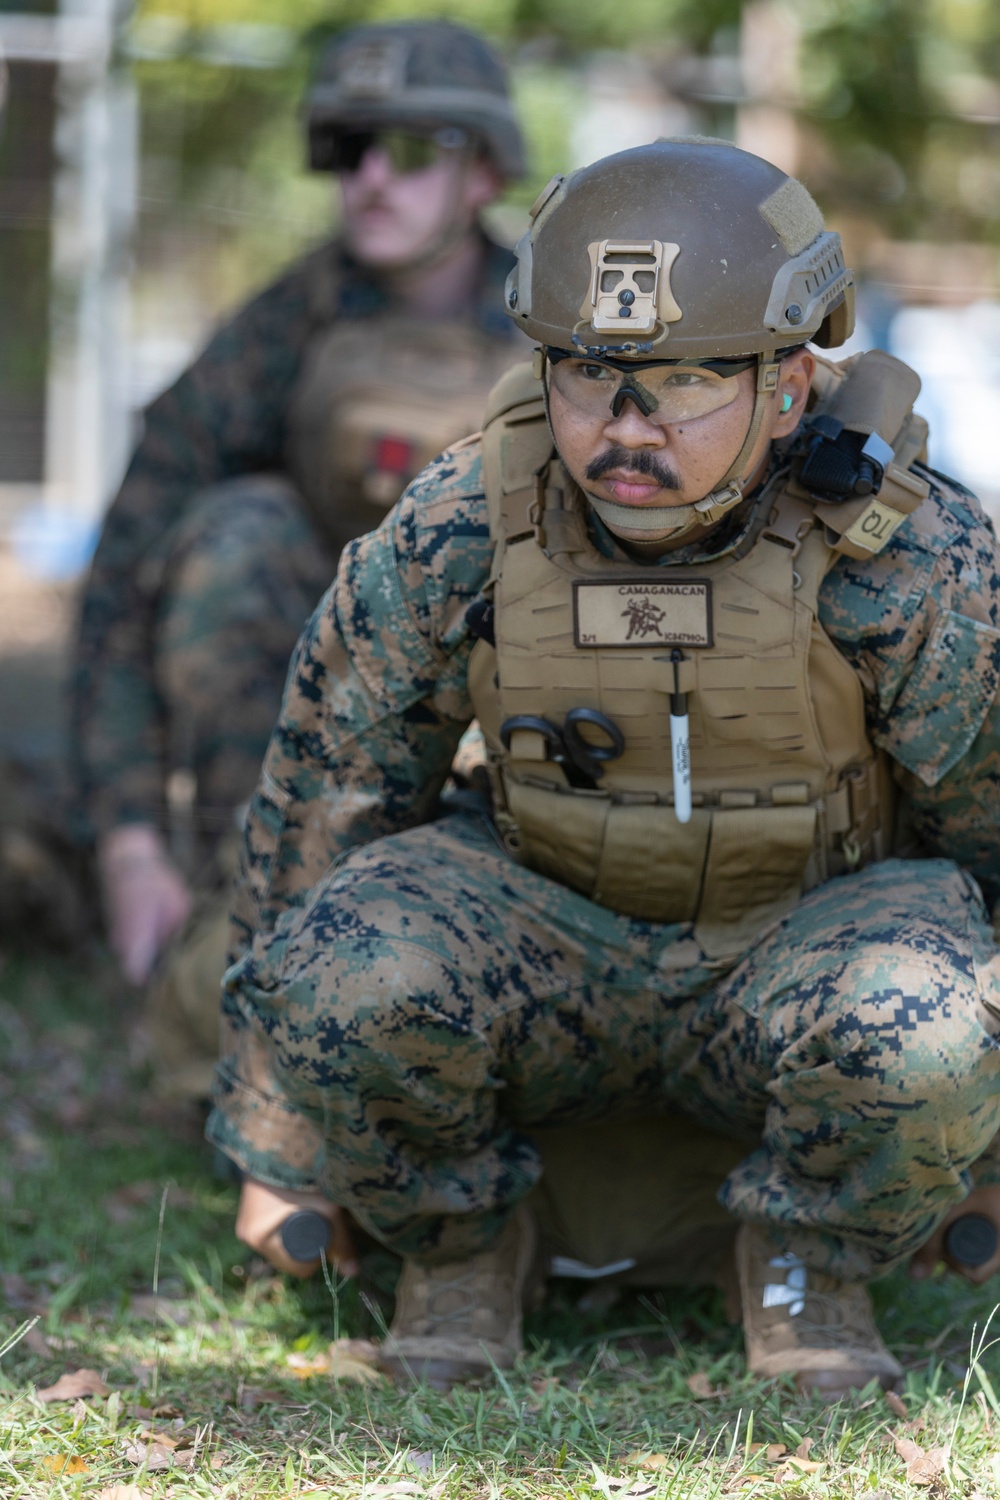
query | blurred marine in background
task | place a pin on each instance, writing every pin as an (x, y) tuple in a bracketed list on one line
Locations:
[(296, 430)]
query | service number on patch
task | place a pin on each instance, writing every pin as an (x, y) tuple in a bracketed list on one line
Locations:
[(643, 612)]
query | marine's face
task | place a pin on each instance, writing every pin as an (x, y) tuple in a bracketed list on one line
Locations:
[(393, 218), (636, 460)]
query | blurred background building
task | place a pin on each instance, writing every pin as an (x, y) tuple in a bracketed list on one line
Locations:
[(151, 176)]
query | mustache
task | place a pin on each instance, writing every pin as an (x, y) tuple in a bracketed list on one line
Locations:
[(639, 461)]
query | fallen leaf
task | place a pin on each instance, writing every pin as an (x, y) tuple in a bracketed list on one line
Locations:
[(354, 1359), (774, 1451), (804, 1465), (897, 1405), (124, 1492), (73, 1384), (908, 1450), (925, 1469), (802, 1451), (543, 1383), (307, 1365), (424, 1461), (153, 1455), (217, 1461), (700, 1385), (346, 1359), (165, 1439), (640, 1460), (64, 1463)]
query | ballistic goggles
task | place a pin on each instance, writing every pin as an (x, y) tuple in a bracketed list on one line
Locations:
[(407, 150), (665, 390)]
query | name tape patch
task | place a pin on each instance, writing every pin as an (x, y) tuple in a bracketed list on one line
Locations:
[(641, 612)]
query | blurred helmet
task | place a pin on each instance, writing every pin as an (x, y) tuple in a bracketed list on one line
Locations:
[(683, 249), (420, 74)]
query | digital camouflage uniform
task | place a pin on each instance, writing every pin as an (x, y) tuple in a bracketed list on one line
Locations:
[(416, 1006)]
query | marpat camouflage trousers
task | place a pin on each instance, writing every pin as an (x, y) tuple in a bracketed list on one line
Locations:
[(435, 1002)]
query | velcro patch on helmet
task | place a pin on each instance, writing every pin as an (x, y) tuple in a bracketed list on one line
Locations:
[(793, 215), (630, 288), (374, 69)]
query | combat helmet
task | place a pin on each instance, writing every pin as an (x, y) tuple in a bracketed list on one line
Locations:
[(417, 73), (686, 249)]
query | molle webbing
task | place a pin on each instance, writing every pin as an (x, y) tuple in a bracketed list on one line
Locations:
[(787, 788)]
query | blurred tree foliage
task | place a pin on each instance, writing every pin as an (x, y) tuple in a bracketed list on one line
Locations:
[(899, 99)]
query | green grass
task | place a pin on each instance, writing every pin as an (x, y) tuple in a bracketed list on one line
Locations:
[(600, 1407)]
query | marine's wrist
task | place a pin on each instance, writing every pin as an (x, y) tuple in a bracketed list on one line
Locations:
[(131, 847)]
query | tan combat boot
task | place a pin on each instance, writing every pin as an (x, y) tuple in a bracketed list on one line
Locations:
[(797, 1321), (457, 1320)]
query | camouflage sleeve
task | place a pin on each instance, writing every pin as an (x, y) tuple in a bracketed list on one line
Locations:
[(223, 417), (921, 623), (375, 704), (376, 698)]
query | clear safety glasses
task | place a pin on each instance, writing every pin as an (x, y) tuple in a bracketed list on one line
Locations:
[(667, 391), (407, 150)]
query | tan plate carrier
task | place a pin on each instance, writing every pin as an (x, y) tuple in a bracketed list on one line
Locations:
[(787, 788), (378, 399)]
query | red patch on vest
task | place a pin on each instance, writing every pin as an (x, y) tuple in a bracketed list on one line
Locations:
[(393, 455)]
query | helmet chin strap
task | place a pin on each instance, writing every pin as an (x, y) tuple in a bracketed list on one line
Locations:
[(673, 521)]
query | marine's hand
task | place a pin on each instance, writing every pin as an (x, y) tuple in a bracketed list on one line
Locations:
[(145, 897), (982, 1200), (264, 1209)]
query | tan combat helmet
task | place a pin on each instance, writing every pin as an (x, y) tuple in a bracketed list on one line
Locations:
[(686, 249), (422, 74)]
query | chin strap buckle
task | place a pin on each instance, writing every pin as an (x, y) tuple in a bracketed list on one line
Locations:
[(715, 505)]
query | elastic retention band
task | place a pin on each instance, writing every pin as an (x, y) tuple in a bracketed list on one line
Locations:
[(645, 517)]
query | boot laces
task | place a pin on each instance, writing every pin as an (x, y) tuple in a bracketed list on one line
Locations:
[(822, 1317), (464, 1289)]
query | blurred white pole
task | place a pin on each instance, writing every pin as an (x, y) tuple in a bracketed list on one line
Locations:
[(87, 429)]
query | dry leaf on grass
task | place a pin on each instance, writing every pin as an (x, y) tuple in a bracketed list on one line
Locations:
[(897, 1405), (161, 1454), (804, 1465), (771, 1451), (124, 1492), (65, 1463), (346, 1359), (640, 1460), (700, 1385), (922, 1467), (73, 1384)]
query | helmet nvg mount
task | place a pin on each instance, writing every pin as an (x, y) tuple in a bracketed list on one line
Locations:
[(418, 74), (686, 249)]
